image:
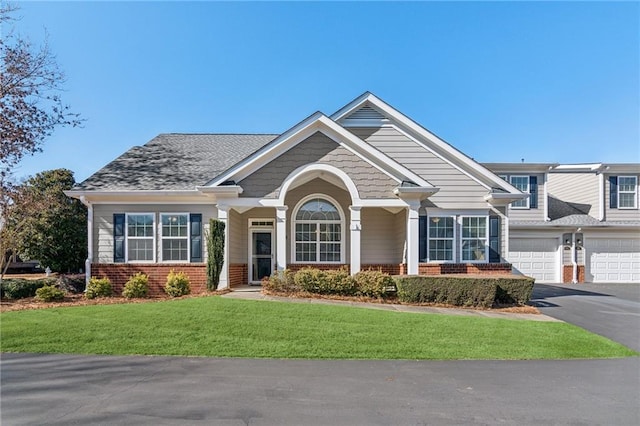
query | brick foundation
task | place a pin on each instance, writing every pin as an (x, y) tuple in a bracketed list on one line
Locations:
[(391, 269), (238, 274), (295, 267), (567, 274), (464, 268), (119, 274)]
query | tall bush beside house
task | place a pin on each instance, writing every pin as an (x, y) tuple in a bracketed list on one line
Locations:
[(215, 253), (177, 284), (137, 286)]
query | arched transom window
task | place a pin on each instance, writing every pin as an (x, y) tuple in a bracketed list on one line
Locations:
[(318, 232)]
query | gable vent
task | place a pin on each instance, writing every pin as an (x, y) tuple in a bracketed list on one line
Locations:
[(364, 117)]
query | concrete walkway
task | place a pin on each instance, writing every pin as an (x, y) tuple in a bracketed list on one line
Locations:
[(253, 293)]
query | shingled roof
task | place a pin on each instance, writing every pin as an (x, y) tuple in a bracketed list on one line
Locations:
[(175, 161)]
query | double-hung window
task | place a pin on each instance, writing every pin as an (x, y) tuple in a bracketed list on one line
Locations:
[(521, 183), (318, 232), (140, 237), (627, 192), (175, 237), (474, 239), (441, 238)]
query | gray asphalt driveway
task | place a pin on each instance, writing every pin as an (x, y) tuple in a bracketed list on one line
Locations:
[(67, 390), (611, 310)]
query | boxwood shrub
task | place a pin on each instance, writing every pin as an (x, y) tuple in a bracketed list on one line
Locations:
[(177, 284), (374, 284), (49, 293), (450, 290), (20, 288), (281, 282), (98, 287), (137, 286), (318, 281)]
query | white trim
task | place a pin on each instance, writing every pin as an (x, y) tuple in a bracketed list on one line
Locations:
[(259, 228), (162, 238), (528, 199), (153, 238), (318, 122), (223, 216), (281, 237), (635, 193), (289, 180), (545, 190), (355, 228), (343, 242), (413, 127), (601, 197), (486, 239), (454, 246)]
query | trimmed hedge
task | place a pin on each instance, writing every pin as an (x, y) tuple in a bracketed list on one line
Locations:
[(177, 284), (450, 290), (374, 284), (137, 286), (325, 282), (515, 289), (281, 282), (20, 288)]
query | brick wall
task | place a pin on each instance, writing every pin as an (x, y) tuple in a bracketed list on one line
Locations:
[(238, 274), (295, 267), (119, 274), (464, 268), (567, 274), (391, 269)]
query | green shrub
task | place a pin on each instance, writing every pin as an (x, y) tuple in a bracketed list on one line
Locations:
[(325, 282), (373, 284), (450, 290), (177, 284), (19, 288), (98, 287), (514, 290), (49, 293), (281, 282), (137, 286)]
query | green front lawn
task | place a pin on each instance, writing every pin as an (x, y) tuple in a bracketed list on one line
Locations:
[(219, 327)]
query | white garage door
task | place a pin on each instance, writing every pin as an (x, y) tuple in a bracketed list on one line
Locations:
[(613, 260), (535, 257)]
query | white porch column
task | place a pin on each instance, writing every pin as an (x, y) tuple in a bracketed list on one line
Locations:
[(223, 216), (89, 259), (355, 228), (281, 238), (413, 245)]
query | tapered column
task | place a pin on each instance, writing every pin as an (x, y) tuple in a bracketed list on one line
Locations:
[(281, 238), (223, 216), (355, 228), (413, 230)]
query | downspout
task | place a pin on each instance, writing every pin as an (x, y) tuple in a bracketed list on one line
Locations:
[(574, 259), (87, 262)]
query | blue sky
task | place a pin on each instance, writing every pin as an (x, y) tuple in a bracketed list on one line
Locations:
[(500, 81)]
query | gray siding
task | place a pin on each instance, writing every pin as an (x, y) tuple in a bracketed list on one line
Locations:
[(379, 236), (237, 238), (318, 186), (103, 223), (619, 214), (241, 239), (578, 188), (318, 148), (457, 190), (528, 214)]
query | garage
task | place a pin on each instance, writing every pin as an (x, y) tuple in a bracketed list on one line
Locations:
[(613, 260), (535, 257)]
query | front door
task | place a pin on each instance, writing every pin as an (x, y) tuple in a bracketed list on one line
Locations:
[(261, 255)]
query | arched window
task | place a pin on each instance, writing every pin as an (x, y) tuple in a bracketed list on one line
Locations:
[(318, 232)]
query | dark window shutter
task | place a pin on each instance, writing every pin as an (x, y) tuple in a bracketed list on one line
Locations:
[(118, 237), (613, 192), (494, 239), (533, 192), (422, 240), (195, 219)]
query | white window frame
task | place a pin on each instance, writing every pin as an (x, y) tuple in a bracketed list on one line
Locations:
[(127, 237), (454, 239), (526, 200), (462, 238), (163, 238), (343, 242), (634, 192)]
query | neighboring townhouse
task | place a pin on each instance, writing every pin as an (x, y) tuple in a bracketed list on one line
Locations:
[(581, 222), (364, 188)]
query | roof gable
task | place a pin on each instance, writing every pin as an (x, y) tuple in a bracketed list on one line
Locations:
[(318, 122), (349, 116)]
